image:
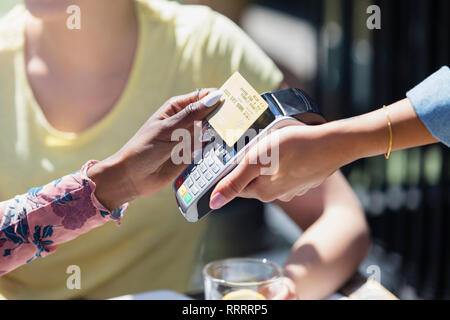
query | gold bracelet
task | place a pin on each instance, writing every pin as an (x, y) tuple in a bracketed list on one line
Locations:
[(387, 155)]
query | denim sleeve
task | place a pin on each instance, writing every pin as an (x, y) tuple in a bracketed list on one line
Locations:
[(431, 100)]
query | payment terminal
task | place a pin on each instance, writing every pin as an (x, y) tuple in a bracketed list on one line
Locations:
[(194, 185)]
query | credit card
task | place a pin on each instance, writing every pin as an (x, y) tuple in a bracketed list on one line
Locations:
[(241, 107)]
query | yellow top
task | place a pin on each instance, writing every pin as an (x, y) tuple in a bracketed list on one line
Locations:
[(180, 48)]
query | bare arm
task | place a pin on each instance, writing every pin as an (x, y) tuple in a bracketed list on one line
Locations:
[(335, 240), (310, 154), (420, 119), (367, 135)]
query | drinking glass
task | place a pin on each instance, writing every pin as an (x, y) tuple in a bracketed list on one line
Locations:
[(242, 279)]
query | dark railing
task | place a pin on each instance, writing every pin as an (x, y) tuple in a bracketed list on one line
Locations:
[(407, 199)]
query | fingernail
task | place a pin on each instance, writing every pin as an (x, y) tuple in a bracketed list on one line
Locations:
[(196, 153), (212, 98), (217, 201)]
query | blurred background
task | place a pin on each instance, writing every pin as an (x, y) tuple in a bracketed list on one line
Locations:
[(325, 48)]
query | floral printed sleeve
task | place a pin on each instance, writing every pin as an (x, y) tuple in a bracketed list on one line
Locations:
[(33, 224)]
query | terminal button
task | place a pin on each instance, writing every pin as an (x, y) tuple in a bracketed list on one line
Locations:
[(179, 182), (194, 190), (196, 175), (182, 190), (187, 198), (189, 182)]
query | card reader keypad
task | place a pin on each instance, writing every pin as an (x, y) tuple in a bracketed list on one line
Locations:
[(204, 171)]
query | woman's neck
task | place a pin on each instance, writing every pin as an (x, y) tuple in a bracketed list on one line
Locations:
[(108, 29)]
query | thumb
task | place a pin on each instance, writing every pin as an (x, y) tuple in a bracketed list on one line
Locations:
[(233, 184), (196, 110)]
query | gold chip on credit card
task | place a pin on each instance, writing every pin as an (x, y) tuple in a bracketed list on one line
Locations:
[(242, 106)]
